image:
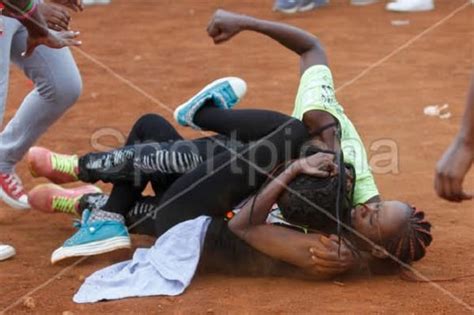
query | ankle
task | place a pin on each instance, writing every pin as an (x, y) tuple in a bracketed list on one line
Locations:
[(102, 215)]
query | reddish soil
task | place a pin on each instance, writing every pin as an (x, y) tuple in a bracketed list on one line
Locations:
[(162, 47)]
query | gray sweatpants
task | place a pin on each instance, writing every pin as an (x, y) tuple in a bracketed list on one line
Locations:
[(57, 82)]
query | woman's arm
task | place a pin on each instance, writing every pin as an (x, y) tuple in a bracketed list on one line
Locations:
[(458, 158), (320, 165), (314, 253), (224, 25)]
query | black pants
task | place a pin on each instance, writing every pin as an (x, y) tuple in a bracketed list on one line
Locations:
[(189, 178)]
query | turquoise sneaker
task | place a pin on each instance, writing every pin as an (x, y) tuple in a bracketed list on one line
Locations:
[(93, 238), (225, 93)]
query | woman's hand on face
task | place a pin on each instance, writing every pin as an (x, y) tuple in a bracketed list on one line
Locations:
[(320, 165), (329, 259)]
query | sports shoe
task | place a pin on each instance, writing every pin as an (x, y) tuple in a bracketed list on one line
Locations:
[(6, 251), (53, 198), (308, 5), (287, 6), (12, 191), (224, 93), (410, 5), (363, 2), (58, 168), (94, 237)]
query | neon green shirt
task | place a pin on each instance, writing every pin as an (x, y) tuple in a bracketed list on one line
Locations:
[(316, 92)]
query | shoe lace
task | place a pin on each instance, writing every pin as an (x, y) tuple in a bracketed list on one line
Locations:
[(64, 163), (65, 204), (79, 223)]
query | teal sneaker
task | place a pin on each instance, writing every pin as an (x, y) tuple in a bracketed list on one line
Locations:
[(93, 238), (225, 93)]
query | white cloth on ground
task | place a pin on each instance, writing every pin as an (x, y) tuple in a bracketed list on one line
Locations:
[(167, 268)]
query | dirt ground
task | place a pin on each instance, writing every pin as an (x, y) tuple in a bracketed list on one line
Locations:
[(162, 48)]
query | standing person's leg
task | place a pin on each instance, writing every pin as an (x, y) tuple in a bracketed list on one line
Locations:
[(10, 26), (58, 86)]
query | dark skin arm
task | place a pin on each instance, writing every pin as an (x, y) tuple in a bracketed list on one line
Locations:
[(458, 158), (315, 254), (38, 33), (225, 25)]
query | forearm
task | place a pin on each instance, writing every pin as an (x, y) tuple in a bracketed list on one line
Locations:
[(294, 248), (289, 36), (262, 203), (279, 243), (467, 128)]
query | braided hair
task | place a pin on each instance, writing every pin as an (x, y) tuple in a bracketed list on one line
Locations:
[(297, 204), (410, 245)]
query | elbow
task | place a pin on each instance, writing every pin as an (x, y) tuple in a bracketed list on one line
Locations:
[(314, 46)]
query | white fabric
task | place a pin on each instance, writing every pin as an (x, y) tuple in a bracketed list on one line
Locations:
[(167, 268)]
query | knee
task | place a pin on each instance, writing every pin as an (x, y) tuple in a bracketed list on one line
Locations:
[(147, 121), (63, 93)]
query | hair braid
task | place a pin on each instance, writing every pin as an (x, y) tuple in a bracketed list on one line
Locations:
[(411, 244)]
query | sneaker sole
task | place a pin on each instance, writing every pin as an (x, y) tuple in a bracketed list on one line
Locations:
[(426, 9), (12, 202), (91, 249), (286, 11), (208, 87), (7, 254)]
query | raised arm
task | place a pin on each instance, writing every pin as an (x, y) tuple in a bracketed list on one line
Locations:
[(316, 254), (458, 158), (224, 25)]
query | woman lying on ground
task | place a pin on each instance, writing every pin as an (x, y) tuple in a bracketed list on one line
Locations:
[(316, 103), (211, 184)]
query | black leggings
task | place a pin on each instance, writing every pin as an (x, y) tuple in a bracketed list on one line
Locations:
[(198, 177)]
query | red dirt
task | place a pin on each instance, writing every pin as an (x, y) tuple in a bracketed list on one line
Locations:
[(163, 49)]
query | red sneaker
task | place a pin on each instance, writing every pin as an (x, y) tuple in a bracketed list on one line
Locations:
[(53, 198), (58, 168), (12, 191)]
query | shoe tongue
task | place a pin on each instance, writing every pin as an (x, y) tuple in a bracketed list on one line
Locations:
[(85, 216)]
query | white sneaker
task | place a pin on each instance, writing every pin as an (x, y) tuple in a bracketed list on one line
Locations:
[(96, 2), (363, 2), (410, 5), (6, 251), (12, 191)]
